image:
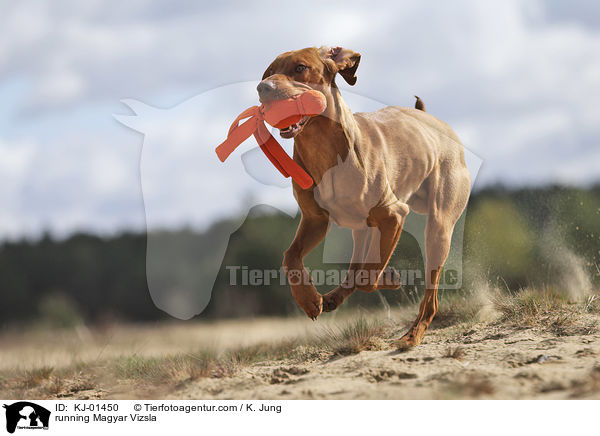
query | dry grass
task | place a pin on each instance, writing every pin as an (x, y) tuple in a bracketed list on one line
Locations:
[(55, 386), (262, 352), (530, 305), (160, 370), (152, 374), (46, 382), (457, 353), (464, 307), (36, 376), (356, 336), (546, 309), (592, 304)]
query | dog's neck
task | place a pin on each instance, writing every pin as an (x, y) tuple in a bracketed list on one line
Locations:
[(333, 133)]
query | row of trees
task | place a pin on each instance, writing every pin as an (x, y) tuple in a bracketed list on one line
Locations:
[(523, 237)]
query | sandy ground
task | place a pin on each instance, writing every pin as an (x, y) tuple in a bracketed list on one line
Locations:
[(59, 349), (469, 360), (496, 363)]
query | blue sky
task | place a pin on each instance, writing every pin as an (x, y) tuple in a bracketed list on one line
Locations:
[(518, 80)]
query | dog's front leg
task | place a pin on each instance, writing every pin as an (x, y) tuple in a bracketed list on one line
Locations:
[(311, 231)]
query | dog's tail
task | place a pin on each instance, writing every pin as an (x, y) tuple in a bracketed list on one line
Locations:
[(419, 104)]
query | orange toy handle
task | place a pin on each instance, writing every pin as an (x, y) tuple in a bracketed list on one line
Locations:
[(238, 133), (282, 161)]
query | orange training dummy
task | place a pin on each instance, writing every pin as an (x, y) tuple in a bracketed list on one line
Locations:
[(279, 114)]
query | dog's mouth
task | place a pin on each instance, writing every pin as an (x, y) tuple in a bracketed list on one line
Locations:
[(294, 129)]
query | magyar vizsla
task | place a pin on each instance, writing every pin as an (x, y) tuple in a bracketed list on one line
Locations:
[(370, 170)]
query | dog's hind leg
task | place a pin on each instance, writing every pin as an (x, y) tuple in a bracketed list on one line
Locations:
[(366, 254), (437, 245), (361, 239), (374, 273), (445, 210), (373, 247)]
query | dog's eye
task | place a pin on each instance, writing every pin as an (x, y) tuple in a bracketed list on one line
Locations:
[(300, 68)]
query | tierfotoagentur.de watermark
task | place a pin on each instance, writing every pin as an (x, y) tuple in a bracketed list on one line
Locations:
[(242, 275)]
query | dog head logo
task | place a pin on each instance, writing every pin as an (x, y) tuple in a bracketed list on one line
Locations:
[(26, 415), (185, 184)]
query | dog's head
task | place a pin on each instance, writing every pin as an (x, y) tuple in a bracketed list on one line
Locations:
[(294, 72)]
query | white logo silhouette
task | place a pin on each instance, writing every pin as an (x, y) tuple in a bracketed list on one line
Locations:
[(185, 185)]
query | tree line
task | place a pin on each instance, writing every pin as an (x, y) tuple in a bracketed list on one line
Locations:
[(546, 236)]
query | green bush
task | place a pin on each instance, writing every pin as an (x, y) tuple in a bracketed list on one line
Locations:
[(59, 311), (499, 239)]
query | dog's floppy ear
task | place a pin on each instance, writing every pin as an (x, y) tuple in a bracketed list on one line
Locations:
[(267, 72), (341, 60)]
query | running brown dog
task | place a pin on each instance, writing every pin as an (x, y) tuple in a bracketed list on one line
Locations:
[(370, 170)]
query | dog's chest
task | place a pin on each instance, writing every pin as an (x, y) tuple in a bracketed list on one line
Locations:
[(347, 194)]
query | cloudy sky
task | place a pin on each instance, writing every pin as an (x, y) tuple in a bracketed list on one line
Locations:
[(518, 80)]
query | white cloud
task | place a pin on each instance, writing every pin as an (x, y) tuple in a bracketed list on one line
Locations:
[(520, 81), (15, 161), (59, 86)]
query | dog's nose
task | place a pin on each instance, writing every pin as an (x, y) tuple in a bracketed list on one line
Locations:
[(266, 87)]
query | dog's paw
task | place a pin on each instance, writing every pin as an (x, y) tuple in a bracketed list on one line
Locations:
[(332, 301), (312, 307), (412, 338), (305, 293), (404, 343)]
